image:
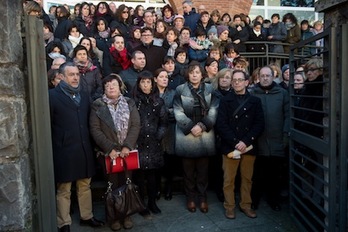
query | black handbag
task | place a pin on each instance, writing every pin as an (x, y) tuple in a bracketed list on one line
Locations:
[(123, 201)]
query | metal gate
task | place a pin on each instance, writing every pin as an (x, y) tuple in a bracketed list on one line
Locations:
[(318, 164)]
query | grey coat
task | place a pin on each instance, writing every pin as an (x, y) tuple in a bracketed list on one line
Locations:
[(276, 109), (186, 144)]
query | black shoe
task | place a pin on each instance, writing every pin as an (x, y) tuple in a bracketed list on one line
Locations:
[(93, 222), (65, 228), (275, 206), (158, 195), (168, 196), (154, 209), (220, 196)]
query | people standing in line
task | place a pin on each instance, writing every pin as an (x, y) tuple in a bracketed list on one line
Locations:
[(270, 169), (195, 110), (114, 126), (153, 117), (239, 123), (72, 150)]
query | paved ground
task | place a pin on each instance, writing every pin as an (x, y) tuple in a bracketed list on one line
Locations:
[(175, 218)]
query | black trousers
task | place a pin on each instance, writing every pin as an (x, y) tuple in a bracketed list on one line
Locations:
[(196, 176), (270, 177)]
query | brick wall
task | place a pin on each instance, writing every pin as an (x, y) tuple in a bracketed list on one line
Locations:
[(230, 6)]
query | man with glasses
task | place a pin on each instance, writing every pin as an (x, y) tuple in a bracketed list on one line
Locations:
[(271, 162), (239, 122), (154, 55)]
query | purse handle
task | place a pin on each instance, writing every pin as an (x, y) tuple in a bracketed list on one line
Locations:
[(125, 169)]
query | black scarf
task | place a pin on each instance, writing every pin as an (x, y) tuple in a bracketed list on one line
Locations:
[(199, 95), (73, 93)]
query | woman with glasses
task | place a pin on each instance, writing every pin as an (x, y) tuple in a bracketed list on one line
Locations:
[(114, 126), (122, 21)]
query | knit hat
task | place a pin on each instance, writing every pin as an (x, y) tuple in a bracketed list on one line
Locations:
[(212, 30), (285, 67), (221, 28)]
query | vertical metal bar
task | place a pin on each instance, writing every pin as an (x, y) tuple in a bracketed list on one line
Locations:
[(331, 158), (40, 126), (343, 149)]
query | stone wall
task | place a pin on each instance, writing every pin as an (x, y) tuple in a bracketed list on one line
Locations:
[(15, 173), (224, 6)]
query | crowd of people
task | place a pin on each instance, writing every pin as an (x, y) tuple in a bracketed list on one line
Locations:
[(176, 88)]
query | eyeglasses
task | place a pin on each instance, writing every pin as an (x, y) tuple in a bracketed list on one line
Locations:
[(265, 76), (113, 85), (311, 69), (234, 81), (146, 35)]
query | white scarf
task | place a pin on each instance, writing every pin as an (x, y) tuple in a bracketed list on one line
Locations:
[(75, 41)]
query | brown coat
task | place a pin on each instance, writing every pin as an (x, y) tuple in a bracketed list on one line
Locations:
[(103, 130)]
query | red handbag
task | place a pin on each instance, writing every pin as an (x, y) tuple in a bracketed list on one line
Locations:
[(117, 165)]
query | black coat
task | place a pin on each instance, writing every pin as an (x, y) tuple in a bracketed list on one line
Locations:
[(154, 56), (246, 125), (72, 151), (153, 118)]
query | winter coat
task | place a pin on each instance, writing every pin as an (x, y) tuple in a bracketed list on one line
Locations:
[(191, 20), (242, 35), (72, 151), (80, 23), (103, 130), (175, 79), (129, 78), (153, 118), (168, 142), (279, 33), (246, 125), (276, 109), (201, 27), (62, 30), (154, 56), (293, 37), (254, 37), (92, 84), (186, 144), (307, 50)]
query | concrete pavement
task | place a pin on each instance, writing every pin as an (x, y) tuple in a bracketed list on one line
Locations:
[(175, 218)]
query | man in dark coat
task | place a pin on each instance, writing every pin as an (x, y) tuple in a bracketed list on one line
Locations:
[(271, 163), (130, 75), (239, 122), (190, 15), (72, 150), (154, 55)]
